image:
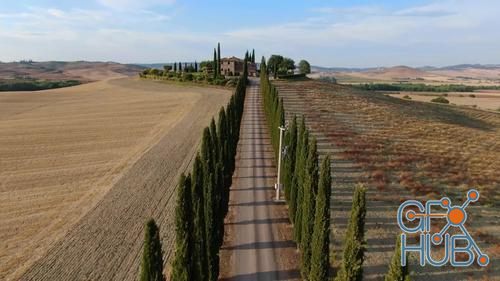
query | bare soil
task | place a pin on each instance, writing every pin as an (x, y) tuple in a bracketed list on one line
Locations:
[(83, 168)]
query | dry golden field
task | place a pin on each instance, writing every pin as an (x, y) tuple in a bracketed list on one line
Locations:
[(489, 100), (403, 150), (473, 76), (92, 156)]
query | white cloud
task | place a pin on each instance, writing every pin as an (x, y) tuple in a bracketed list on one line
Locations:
[(437, 30), (133, 4), (355, 10), (430, 10)]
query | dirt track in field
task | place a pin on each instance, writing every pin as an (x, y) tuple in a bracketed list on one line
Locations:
[(82, 168)]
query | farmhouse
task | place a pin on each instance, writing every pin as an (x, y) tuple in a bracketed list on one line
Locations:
[(233, 66)]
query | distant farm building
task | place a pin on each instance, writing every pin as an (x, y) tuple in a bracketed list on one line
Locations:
[(233, 66)]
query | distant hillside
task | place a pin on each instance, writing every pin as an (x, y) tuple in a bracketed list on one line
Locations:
[(57, 70), (315, 68), (470, 74)]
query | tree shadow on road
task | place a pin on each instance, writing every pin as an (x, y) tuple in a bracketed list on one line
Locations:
[(292, 274), (262, 221), (263, 245)]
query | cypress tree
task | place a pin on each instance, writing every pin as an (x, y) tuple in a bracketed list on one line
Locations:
[(224, 159), (301, 174), (396, 271), (320, 255), (310, 189), (180, 67), (197, 191), (212, 245), (222, 135), (214, 142), (289, 159), (210, 210), (263, 71), (219, 199), (215, 65), (195, 66), (175, 67), (218, 59), (182, 264), (253, 55), (295, 176), (245, 66), (353, 255), (207, 152), (152, 257)]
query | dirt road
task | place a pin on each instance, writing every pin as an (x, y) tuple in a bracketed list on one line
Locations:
[(257, 244)]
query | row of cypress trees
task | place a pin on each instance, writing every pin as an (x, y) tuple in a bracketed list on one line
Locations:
[(308, 196), (307, 187), (203, 195)]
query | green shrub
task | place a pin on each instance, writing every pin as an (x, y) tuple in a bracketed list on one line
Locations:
[(440, 100), (472, 95), (187, 76), (407, 97)]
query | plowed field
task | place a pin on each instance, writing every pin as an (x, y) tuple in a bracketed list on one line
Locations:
[(82, 168)]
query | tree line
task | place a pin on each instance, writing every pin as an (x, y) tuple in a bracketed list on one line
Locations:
[(410, 87), (307, 192), (34, 85), (202, 202), (307, 186)]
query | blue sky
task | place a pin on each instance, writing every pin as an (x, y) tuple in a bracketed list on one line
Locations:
[(327, 33)]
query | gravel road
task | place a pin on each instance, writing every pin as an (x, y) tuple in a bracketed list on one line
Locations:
[(257, 243)]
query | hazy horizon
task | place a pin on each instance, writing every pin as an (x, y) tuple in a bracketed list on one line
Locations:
[(341, 34)]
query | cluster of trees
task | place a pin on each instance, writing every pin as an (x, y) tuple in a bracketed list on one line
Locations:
[(307, 187), (278, 64), (409, 87), (35, 85), (203, 196), (171, 69), (304, 67)]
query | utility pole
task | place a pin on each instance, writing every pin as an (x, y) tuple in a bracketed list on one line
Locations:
[(277, 185)]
